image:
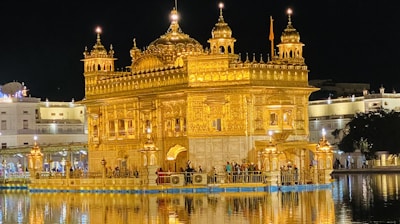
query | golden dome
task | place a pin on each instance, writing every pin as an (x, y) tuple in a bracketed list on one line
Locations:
[(175, 42), (221, 28), (290, 34)]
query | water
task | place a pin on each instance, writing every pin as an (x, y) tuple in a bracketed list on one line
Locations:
[(355, 198), (367, 198)]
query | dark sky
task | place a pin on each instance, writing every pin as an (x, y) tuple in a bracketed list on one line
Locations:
[(346, 41)]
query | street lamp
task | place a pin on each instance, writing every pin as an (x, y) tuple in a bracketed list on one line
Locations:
[(270, 133)]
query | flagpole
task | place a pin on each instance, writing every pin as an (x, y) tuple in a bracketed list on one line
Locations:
[(271, 36)]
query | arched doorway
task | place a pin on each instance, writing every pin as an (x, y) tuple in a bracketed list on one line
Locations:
[(177, 158)]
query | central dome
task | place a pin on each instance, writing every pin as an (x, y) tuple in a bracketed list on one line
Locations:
[(174, 42)]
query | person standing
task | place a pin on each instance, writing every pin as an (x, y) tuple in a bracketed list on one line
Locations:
[(228, 169)]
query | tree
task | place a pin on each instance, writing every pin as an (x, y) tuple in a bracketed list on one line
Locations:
[(371, 132)]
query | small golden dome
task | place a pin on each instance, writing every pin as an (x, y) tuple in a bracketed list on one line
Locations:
[(290, 34), (98, 49), (221, 28)]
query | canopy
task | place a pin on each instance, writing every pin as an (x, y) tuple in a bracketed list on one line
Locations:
[(174, 151)]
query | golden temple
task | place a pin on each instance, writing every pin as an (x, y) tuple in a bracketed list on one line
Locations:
[(186, 102)]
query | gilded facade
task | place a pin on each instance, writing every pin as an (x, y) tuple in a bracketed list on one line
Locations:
[(203, 104)]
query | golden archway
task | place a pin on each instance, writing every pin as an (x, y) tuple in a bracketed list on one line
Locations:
[(174, 151), (173, 155)]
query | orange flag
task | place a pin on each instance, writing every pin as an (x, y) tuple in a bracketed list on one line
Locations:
[(271, 36), (271, 29)]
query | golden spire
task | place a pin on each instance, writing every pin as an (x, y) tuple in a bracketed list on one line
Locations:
[(174, 27), (98, 48), (289, 12), (289, 28), (221, 36), (221, 28), (290, 48), (98, 31), (221, 6)]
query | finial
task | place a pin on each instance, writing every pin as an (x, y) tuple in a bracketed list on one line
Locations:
[(261, 58), (134, 42), (323, 133), (98, 31), (174, 27), (174, 15), (176, 4), (254, 58), (221, 6), (289, 12)]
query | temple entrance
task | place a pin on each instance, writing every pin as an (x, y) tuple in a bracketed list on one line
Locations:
[(295, 162), (176, 158)]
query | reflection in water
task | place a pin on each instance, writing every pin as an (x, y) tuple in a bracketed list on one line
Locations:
[(367, 198), (355, 198), (278, 207)]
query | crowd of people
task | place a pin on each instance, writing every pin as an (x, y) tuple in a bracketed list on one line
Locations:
[(233, 173), (242, 173)]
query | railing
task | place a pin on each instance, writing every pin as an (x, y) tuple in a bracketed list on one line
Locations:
[(188, 178), (289, 177), (295, 177), (15, 177), (285, 177)]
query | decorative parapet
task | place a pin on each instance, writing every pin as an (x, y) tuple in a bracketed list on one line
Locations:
[(121, 82)]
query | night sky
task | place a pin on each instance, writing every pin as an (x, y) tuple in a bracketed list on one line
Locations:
[(347, 41)]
